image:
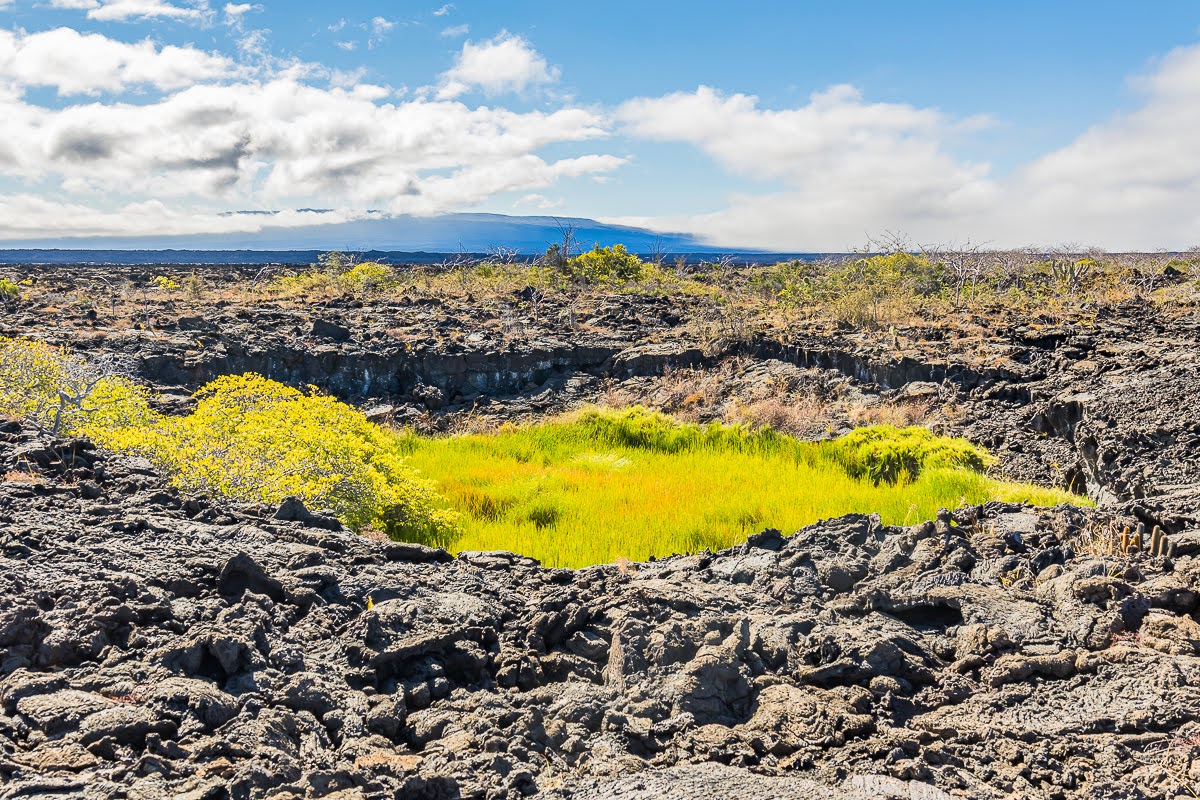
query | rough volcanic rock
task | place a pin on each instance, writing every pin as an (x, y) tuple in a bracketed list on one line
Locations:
[(153, 646)]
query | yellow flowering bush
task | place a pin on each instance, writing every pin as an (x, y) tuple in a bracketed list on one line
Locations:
[(257, 440), (249, 439), (368, 277), (63, 393), (9, 290)]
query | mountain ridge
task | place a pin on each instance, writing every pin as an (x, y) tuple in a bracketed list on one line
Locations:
[(445, 233)]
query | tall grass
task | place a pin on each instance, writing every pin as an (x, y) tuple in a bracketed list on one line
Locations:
[(603, 485)]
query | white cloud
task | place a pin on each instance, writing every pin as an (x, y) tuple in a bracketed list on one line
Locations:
[(280, 142), (506, 63), (456, 30), (201, 132), (337, 26), (346, 45), (845, 166), (444, 10), (235, 14), (539, 201), (378, 30), (124, 10), (30, 216), (839, 169), (77, 63), (1132, 181)]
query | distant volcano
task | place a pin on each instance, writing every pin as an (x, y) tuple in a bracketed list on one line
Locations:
[(445, 233)]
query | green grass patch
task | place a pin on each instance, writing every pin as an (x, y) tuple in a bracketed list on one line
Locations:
[(602, 485)]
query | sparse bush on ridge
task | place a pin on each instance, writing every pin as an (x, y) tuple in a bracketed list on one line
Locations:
[(337, 276), (604, 265), (898, 286)]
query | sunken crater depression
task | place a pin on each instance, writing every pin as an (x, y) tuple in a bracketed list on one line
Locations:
[(348, 531)]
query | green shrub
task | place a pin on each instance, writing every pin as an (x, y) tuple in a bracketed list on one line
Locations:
[(62, 393), (9, 291), (605, 265), (256, 440), (368, 278), (249, 439), (335, 275), (887, 453)]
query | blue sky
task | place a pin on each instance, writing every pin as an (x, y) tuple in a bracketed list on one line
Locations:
[(773, 124)]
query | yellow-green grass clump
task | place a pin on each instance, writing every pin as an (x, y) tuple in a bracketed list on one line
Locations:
[(598, 486)]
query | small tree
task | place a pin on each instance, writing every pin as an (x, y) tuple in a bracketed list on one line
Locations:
[(964, 265), (56, 391), (558, 254)]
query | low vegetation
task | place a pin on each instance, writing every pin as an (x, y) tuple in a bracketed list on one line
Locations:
[(588, 488), (894, 294), (603, 485), (9, 290), (249, 439)]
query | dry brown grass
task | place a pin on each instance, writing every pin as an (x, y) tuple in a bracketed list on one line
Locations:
[(1177, 758), (20, 476), (375, 535), (801, 416), (1106, 540), (902, 414)]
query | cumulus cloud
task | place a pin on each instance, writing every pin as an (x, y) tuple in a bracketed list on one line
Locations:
[(76, 63), (506, 63), (1133, 180), (838, 168), (125, 10), (845, 164), (456, 30), (285, 142), (193, 132)]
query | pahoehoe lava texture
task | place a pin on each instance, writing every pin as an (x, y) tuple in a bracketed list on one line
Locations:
[(154, 645)]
